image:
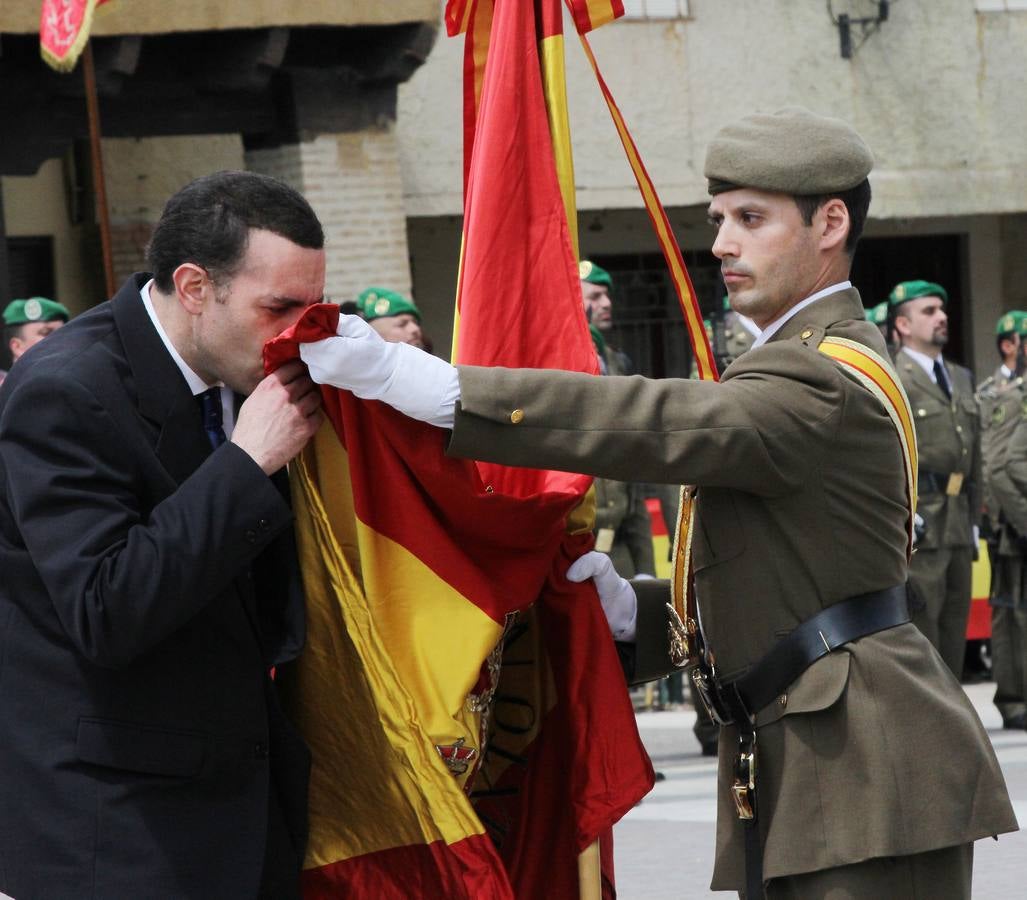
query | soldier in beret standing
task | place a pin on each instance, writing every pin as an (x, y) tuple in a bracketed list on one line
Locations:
[(941, 394), (395, 317), (27, 322), (851, 762), (1003, 401)]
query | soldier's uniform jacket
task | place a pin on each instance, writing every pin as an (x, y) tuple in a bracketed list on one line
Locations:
[(948, 441), (874, 750), (1003, 410), (621, 509)]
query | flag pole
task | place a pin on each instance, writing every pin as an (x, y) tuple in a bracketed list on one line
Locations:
[(590, 878), (96, 155)]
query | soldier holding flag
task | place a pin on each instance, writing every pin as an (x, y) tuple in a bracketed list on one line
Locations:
[(874, 775)]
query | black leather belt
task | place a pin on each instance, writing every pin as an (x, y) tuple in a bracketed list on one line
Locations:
[(738, 701), (829, 629)]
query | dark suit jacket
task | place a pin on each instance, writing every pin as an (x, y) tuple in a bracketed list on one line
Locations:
[(147, 585)]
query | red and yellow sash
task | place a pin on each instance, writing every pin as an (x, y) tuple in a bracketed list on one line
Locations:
[(877, 376)]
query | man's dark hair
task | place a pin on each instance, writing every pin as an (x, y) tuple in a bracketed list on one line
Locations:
[(209, 220), (857, 202)]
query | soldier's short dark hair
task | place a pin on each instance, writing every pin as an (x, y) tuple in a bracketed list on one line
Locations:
[(857, 202), (209, 220)]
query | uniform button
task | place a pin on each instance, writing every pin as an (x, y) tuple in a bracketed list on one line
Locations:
[(263, 524), (807, 334), (251, 535), (783, 700), (964, 452), (260, 750), (959, 429), (517, 416)]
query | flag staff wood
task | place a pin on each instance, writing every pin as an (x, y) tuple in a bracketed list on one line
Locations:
[(96, 156), (590, 877)]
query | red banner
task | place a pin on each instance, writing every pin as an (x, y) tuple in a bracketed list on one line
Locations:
[(63, 31)]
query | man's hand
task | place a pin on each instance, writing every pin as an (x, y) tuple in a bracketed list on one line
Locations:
[(615, 593), (279, 417), (360, 360)]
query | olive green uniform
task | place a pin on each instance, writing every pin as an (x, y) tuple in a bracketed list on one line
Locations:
[(948, 442), (1003, 408), (874, 751)]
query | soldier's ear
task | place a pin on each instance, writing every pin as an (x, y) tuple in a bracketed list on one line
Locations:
[(833, 224)]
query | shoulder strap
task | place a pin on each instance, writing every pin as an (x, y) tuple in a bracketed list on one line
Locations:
[(877, 375)]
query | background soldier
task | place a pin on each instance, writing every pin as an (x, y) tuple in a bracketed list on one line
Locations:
[(1002, 399), (941, 395), (26, 323), (596, 288), (392, 315), (879, 316)]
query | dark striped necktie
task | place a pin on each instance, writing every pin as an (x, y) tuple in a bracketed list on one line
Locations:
[(213, 424)]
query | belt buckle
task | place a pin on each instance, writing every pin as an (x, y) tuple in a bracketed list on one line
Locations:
[(743, 790)]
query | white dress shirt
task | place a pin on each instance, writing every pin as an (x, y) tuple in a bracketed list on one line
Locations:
[(775, 326)]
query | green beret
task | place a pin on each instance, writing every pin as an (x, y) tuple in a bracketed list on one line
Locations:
[(792, 151), (1012, 321), (590, 272), (878, 314), (911, 290), (35, 309), (377, 303)]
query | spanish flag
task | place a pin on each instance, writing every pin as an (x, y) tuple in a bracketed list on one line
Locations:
[(64, 27)]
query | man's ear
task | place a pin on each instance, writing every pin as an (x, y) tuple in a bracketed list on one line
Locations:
[(835, 224), (902, 325), (14, 345), (193, 287)]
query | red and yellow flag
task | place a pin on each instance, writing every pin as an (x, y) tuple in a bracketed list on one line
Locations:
[(412, 567), (64, 30)]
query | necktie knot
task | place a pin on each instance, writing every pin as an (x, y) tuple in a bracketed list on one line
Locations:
[(213, 422)]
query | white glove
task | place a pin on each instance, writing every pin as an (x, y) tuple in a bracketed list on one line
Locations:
[(360, 360), (615, 593)]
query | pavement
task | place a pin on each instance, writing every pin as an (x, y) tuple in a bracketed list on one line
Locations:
[(664, 846)]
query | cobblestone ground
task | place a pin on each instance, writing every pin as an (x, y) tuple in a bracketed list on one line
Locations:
[(664, 847)]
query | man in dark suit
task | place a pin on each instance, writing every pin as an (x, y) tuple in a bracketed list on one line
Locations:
[(149, 572)]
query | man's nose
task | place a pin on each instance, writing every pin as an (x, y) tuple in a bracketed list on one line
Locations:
[(724, 245)]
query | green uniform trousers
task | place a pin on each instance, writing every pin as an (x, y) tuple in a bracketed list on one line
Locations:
[(941, 581), (1009, 659), (938, 875)]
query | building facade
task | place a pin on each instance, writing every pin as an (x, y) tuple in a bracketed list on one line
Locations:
[(937, 89)]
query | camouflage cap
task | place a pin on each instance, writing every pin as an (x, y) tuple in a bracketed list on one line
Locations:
[(878, 314), (593, 274), (1012, 322), (35, 309), (377, 303), (792, 151), (911, 290)]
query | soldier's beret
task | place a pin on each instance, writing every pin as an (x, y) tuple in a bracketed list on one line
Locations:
[(878, 314), (593, 274), (911, 290), (793, 151), (1012, 322), (35, 309), (377, 303)]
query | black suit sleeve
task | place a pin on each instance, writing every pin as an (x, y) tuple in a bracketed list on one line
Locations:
[(123, 569)]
